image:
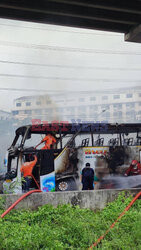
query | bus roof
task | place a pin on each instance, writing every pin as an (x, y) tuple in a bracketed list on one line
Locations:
[(72, 128)]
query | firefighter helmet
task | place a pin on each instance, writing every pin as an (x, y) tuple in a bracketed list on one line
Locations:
[(134, 162)]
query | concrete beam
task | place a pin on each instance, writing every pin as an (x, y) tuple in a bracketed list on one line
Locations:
[(134, 35), (96, 199)]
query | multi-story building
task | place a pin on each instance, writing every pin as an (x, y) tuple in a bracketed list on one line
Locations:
[(4, 115), (114, 105)]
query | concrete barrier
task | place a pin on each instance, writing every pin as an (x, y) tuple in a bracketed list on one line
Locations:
[(97, 199)]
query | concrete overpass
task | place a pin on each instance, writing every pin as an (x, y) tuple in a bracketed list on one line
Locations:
[(107, 15)]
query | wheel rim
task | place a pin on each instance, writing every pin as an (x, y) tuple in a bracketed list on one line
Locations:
[(63, 186)]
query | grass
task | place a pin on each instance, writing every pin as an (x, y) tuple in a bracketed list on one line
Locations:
[(67, 227)]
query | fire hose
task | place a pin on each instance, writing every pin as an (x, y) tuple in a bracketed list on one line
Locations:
[(20, 199), (120, 216), (35, 181)]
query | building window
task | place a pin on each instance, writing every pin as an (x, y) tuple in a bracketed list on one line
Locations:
[(81, 99), (116, 96), (117, 106), (38, 111), (130, 105), (105, 97), (28, 103), (48, 102), (68, 108), (48, 111), (18, 104), (38, 103), (94, 114), (92, 98), (129, 95), (82, 108), (105, 107), (130, 113), (28, 112), (60, 110), (71, 110), (92, 107), (15, 112), (118, 114)]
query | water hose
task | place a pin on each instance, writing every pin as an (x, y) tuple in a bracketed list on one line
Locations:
[(35, 181), (126, 209), (20, 199)]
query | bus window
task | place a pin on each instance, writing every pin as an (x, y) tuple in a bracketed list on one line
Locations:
[(66, 140), (83, 140), (18, 142), (129, 139), (34, 141)]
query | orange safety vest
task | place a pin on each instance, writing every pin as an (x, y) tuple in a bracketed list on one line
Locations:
[(27, 167), (49, 140)]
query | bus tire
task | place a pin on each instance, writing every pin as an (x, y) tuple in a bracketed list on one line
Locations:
[(67, 184)]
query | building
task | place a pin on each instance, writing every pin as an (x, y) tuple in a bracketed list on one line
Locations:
[(114, 105), (4, 115)]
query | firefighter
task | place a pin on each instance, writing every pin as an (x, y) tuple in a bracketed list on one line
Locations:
[(49, 141), (134, 169), (27, 169)]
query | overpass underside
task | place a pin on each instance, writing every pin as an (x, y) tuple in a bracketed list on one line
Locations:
[(106, 15)]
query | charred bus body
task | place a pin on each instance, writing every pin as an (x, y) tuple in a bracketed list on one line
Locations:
[(109, 148)]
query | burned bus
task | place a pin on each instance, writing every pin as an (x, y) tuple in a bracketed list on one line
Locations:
[(109, 148)]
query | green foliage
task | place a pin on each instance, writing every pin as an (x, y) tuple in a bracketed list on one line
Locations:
[(2, 203), (67, 227), (10, 189)]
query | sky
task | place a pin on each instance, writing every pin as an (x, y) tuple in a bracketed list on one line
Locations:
[(55, 58)]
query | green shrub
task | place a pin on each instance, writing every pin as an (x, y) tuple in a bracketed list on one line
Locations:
[(67, 227), (2, 203)]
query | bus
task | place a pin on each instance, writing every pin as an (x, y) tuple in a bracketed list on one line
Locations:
[(109, 148)]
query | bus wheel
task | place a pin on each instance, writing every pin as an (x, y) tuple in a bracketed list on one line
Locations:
[(66, 185)]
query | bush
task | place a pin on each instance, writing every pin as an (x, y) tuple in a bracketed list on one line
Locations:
[(67, 227)]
